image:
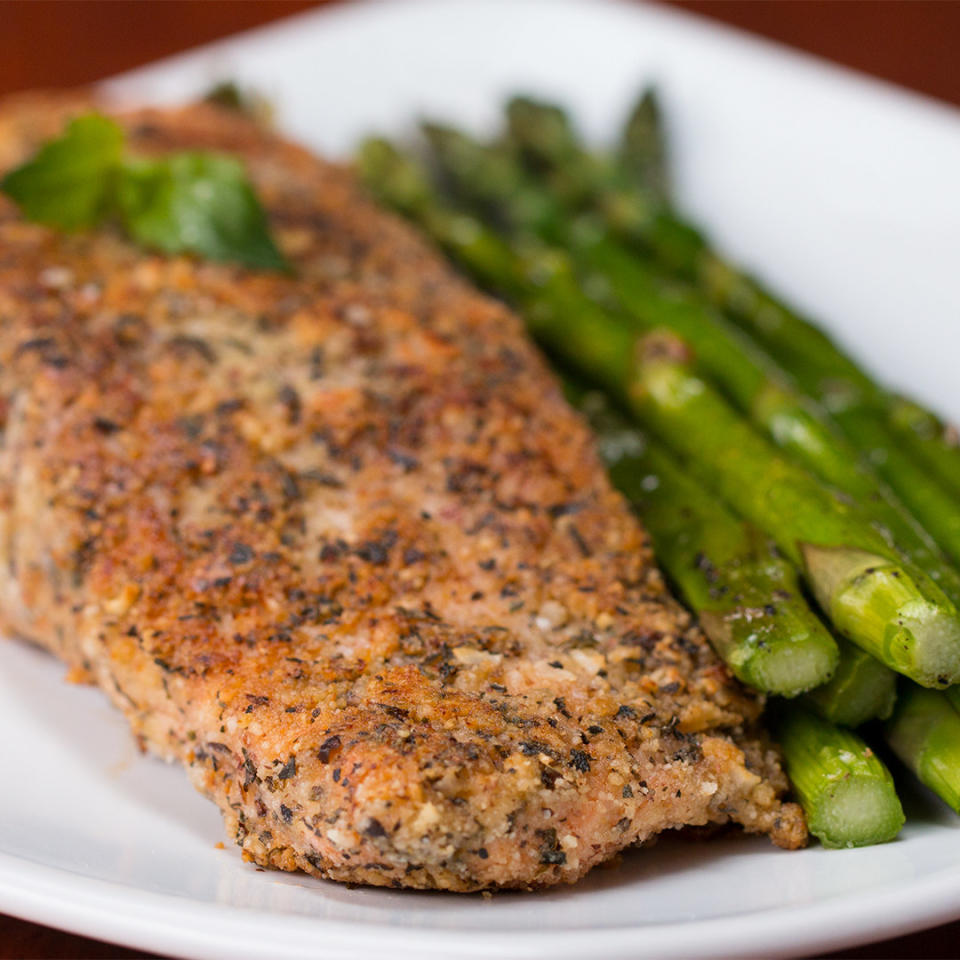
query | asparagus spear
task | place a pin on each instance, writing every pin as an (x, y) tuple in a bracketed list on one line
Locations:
[(399, 182), (929, 440), (928, 500), (830, 375), (859, 410), (925, 734), (546, 138), (746, 596), (491, 178), (846, 791), (641, 153), (861, 689), (727, 573), (545, 134), (869, 594), (891, 611)]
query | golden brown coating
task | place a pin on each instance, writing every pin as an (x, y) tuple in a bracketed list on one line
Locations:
[(336, 542)]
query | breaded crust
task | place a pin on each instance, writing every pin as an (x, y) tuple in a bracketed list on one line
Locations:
[(336, 543)]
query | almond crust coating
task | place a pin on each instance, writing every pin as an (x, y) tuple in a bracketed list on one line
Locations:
[(337, 544)]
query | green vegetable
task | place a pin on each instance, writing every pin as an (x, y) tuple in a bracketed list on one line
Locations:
[(919, 464), (925, 734), (70, 182), (936, 509), (846, 791), (631, 206), (928, 439), (923, 467), (861, 689), (746, 596), (187, 202), (744, 593), (888, 608), (492, 180), (199, 203)]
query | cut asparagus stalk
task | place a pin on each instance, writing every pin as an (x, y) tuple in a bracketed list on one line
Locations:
[(846, 791), (925, 734), (869, 594), (861, 689), (745, 594), (893, 612), (491, 179)]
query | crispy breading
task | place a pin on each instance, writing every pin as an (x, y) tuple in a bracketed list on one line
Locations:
[(336, 543)]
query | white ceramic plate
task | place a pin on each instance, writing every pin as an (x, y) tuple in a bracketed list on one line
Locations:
[(840, 190)]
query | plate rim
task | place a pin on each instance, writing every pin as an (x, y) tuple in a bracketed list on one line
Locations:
[(176, 926)]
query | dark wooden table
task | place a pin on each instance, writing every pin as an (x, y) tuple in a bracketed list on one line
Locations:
[(50, 43)]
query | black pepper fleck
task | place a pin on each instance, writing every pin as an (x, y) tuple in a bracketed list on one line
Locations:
[(240, 553)]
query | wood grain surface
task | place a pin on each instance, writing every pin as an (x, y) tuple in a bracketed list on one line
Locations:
[(55, 43)]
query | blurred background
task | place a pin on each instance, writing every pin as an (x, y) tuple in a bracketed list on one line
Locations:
[(914, 43), (49, 43)]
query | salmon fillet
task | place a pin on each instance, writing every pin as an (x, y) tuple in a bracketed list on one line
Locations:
[(335, 542)]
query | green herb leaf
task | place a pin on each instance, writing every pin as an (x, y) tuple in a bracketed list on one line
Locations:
[(188, 202), (200, 203), (69, 182)]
